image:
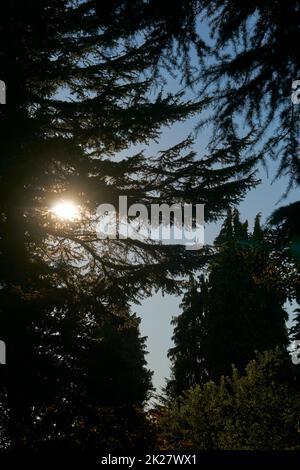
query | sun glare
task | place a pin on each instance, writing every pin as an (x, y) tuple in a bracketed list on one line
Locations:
[(66, 210)]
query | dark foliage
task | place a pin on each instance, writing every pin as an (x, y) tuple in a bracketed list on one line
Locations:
[(82, 86), (237, 310)]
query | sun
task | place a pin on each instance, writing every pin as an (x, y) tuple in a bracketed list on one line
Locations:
[(66, 210)]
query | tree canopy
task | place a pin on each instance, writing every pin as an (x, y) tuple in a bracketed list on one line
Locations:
[(254, 410), (247, 81), (235, 309), (82, 91), (85, 96)]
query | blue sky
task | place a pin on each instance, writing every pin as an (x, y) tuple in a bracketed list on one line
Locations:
[(157, 311)]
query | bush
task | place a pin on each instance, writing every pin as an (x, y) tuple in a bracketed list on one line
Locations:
[(258, 410)]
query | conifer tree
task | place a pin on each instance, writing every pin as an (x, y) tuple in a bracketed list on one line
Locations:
[(80, 79), (239, 309), (250, 78), (246, 301), (285, 228), (188, 356)]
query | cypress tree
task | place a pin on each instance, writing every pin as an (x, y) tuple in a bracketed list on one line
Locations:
[(243, 310), (187, 356), (246, 303)]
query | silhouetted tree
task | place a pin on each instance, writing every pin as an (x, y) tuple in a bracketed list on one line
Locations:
[(188, 356), (246, 300), (286, 222), (79, 78), (238, 310), (286, 240), (247, 80)]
